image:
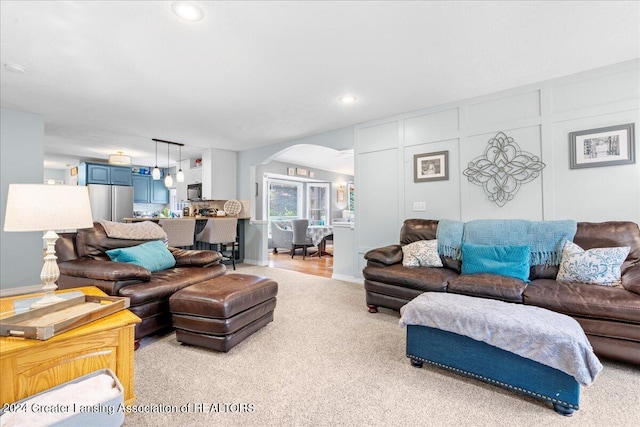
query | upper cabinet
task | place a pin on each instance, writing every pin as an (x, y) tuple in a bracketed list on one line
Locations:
[(97, 173), (148, 190)]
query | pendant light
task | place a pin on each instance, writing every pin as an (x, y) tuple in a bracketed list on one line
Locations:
[(168, 181), (180, 174), (156, 171)]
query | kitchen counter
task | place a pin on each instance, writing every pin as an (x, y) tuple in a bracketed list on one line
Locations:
[(201, 222), (156, 219)]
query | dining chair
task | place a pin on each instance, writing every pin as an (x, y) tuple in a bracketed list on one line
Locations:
[(300, 239), (180, 232), (223, 233)]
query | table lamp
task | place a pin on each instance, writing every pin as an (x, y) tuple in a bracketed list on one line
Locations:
[(43, 207)]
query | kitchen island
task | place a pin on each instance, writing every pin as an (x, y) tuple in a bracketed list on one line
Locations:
[(201, 221)]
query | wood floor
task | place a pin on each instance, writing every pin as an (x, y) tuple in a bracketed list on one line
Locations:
[(310, 265)]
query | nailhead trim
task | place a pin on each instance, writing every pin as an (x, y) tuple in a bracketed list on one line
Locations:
[(490, 380)]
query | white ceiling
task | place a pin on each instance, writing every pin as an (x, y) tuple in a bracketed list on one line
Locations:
[(111, 75)]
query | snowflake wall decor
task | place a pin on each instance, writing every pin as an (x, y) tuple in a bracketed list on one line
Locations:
[(503, 169)]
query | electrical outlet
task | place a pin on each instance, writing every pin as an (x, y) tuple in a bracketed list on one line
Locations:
[(419, 206)]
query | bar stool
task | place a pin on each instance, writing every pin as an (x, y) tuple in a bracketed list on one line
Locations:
[(180, 232), (221, 232)]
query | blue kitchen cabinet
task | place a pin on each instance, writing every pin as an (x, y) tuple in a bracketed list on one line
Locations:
[(97, 173), (147, 190), (120, 175), (141, 188), (159, 192)]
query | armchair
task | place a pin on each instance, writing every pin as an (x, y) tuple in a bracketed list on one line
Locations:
[(280, 237)]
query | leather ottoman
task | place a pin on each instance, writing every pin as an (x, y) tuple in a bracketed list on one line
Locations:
[(220, 313)]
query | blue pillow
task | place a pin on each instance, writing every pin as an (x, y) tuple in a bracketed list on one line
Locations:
[(512, 261), (154, 256)]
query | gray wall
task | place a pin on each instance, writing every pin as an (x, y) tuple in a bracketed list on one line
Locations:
[(539, 117), (21, 161), (319, 175)]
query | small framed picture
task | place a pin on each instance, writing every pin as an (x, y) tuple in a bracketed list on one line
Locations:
[(74, 171), (301, 172), (608, 146), (431, 166), (311, 174), (291, 171), (340, 194)]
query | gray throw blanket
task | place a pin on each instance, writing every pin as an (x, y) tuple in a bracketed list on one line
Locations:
[(549, 338), (145, 230)]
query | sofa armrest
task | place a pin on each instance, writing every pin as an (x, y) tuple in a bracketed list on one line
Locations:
[(631, 279), (104, 270), (387, 255), (197, 258)]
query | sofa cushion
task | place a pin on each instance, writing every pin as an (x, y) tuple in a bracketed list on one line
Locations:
[(165, 283), (154, 256), (420, 278), (576, 299), (597, 266), (512, 261), (423, 253), (491, 286)]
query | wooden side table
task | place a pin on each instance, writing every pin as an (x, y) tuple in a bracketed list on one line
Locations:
[(29, 366)]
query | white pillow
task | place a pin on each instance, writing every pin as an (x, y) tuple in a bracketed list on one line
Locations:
[(597, 266), (423, 253)]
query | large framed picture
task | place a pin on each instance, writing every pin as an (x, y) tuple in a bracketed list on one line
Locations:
[(431, 166), (609, 146)]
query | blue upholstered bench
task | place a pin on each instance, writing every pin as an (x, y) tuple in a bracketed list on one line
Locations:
[(544, 335)]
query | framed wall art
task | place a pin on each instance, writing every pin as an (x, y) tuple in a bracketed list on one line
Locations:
[(291, 171), (74, 171), (431, 166), (301, 172), (608, 146)]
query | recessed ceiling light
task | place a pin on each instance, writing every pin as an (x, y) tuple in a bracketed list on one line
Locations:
[(14, 68), (347, 99), (187, 11)]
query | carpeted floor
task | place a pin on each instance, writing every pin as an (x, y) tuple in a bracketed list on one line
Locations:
[(326, 361)]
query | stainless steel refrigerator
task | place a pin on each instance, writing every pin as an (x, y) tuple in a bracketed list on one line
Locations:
[(111, 202)]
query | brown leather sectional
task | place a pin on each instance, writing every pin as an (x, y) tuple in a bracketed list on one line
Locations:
[(610, 316), (83, 262)]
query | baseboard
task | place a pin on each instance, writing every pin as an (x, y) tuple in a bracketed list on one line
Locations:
[(255, 262), (10, 292), (352, 279)]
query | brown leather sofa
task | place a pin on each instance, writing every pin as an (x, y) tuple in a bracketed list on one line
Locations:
[(610, 316), (83, 262)]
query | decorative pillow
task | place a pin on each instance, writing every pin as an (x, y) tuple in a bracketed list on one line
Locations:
[(423, 253), (154, 256), (512, 261), (597, 266)]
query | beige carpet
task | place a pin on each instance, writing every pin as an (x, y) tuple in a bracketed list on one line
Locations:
[(325, 361)]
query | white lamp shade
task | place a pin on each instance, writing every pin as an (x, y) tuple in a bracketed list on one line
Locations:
[(42, 207), (156, 173), (180, 176), (168, 181)]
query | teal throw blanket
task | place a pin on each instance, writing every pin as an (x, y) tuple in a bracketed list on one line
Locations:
[(544, 238), (449, 235)]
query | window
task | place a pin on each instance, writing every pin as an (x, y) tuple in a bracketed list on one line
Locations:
[(284, 200)]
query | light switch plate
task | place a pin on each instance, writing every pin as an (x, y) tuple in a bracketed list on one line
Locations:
[(419, 206)]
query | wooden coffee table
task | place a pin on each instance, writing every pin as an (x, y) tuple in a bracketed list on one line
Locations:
[(29, 366)]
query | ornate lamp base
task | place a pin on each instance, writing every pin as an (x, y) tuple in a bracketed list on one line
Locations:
[(50, 272)]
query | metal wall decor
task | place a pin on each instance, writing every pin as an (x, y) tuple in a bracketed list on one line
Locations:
[(503, 169)]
